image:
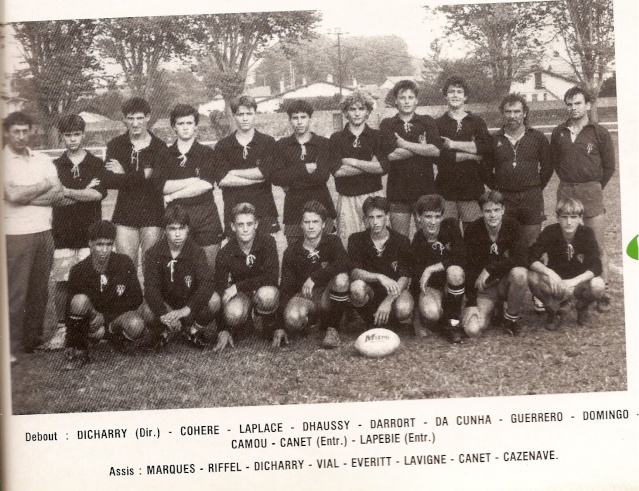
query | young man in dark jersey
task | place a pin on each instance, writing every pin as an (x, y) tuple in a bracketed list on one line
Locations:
[(178, 285), (380, 268), (301, 172), (584, 159), (246, 278), (247, 161), (358, 159), (573, 271), (188, 179), (411, 164), (80, 174), (495, 267), (130, 160), (104, 297), (315, 276), (438, 280), (465, 140)]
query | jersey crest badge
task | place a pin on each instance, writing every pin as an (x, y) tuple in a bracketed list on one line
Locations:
[(324, 264), (188, 281), (120, 290), (395, 265), (580, 257), (590, 148), (250, 260), (422, 138)]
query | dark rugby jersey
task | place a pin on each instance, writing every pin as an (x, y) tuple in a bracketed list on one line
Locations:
[(186, 280), (591, 157), (199, 161), (113, 293), (410, 178), (533, 166), (567, 260), (247, 272), (448, 249), (260, 153), (344, 144), (302, 186), (394, 261), (139, 202), (322, 265), (497, 258), (462, 181), (71, 223)]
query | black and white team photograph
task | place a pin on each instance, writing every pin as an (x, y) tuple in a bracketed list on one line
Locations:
[(249, 209)]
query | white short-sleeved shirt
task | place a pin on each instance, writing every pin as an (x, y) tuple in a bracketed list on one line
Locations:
[(26, 171)]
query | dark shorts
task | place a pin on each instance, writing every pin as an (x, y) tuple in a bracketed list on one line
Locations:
[(527, 206), (205, 227), (436, 281), (402, 207), (589, 193), (466, 211)]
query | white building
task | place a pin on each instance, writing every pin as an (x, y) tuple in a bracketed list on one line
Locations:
[(543, 85), (309, 91)]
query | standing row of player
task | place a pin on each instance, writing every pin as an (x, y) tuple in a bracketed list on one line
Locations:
[(517, 161)]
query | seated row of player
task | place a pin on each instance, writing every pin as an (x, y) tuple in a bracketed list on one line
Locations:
[(319, 280)]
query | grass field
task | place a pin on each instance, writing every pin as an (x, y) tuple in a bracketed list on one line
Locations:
[(575, 359)]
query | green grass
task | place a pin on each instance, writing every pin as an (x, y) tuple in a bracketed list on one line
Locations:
[(575, 359)]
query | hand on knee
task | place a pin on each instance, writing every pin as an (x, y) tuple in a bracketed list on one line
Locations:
[(266, 299), (80, 305)]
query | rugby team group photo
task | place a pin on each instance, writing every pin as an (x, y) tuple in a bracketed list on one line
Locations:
[(452, 243)]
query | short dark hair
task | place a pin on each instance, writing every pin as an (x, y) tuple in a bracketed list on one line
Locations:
[(455, 82), (243, 100), (176, 213), (243, 209), (514, 98), (16, 118), (70, 123), (375, 202), (403, 85), (102, 229), (491, 197), (136, 105), (181, 111), (576, 90), (299, 106), (429, 202), (316, 207)]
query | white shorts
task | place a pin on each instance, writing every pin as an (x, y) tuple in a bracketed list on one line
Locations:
[(350, 216), (64, 260)]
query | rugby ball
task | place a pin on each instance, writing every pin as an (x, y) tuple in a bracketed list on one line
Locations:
[(377, 342)]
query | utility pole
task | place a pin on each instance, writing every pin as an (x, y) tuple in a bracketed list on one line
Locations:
[(338, 32)]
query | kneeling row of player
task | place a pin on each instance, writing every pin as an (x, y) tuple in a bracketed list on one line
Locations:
[(319, 279)]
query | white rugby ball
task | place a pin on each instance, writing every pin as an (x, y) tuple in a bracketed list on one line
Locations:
[(377, 342)]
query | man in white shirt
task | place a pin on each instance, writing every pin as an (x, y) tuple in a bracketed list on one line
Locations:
[(31, 187)]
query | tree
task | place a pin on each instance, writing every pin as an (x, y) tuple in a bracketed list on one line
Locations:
[(438, 68), (140, 44), (60, 60), (609, 87), (503, 38), (231, 42), (369, 60), (586, 28)]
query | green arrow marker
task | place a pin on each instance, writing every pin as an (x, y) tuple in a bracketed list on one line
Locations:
[(633, 248)]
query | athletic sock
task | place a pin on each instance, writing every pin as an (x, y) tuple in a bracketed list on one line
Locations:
[(77, 332), (452, 301), (510, 317), (338, 303)]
